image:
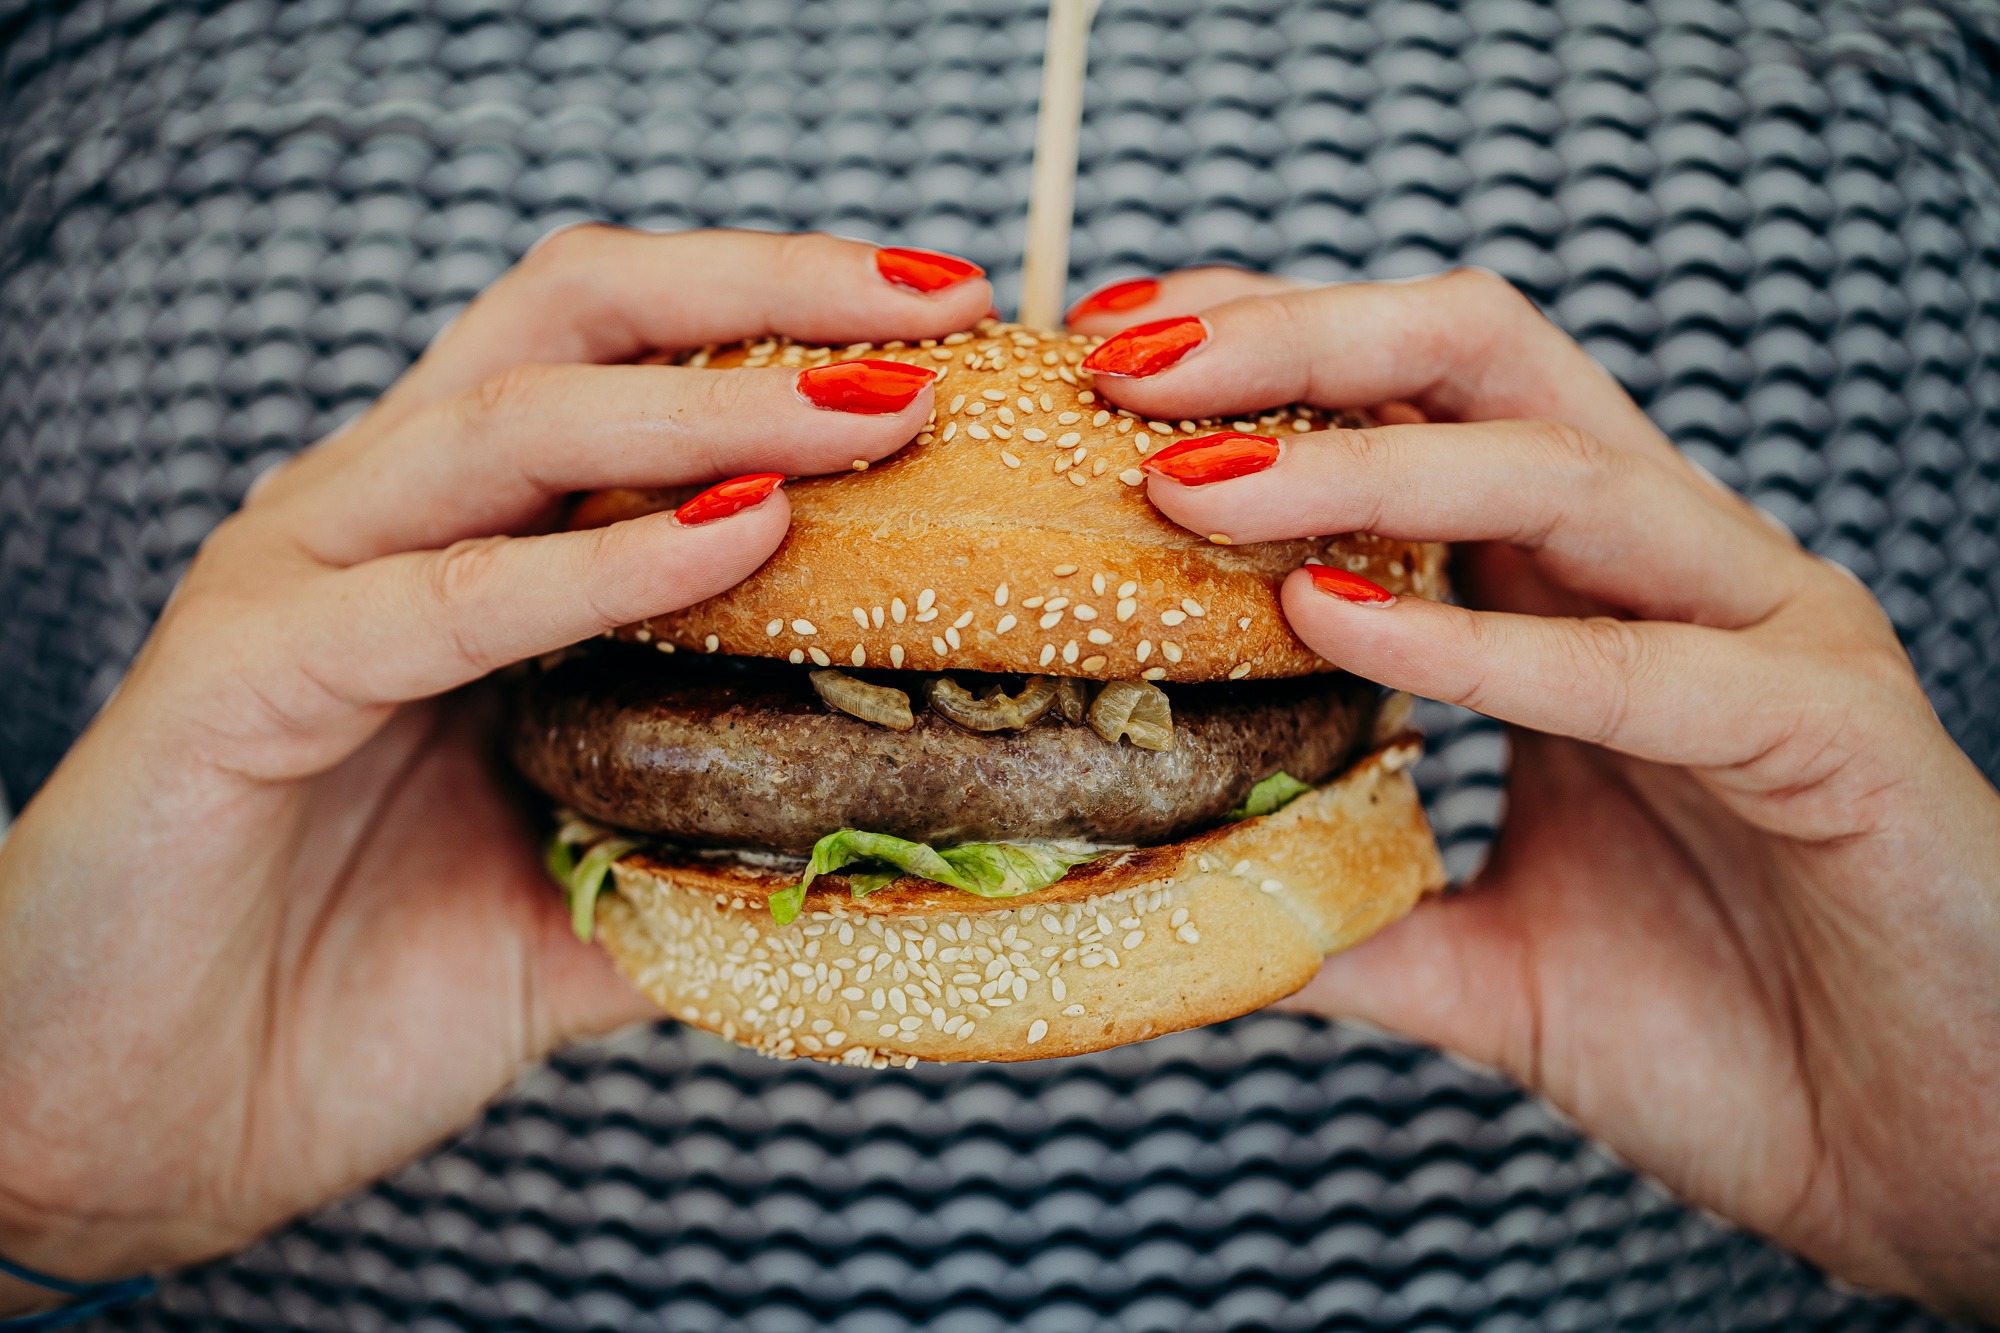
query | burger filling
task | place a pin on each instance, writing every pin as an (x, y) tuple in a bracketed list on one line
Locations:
[(995, 785)]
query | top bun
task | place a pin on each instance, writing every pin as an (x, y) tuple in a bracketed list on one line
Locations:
[(1013, 535)]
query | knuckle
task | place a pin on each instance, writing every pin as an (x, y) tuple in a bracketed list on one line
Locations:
[(1613, 659), (566, 249), (465, 571), (1489, 293), (502, 394)]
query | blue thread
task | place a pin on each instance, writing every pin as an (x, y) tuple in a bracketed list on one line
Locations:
[(94, 1298)]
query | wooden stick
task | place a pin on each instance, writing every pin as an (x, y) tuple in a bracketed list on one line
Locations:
[(1052, 196)]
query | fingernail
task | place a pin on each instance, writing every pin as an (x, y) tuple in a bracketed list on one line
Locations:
[(924, 270), (1212, 458), (873, 387), (1119, 296), (1349, 587), (1147, 349), (1400, 414), (729, 497)]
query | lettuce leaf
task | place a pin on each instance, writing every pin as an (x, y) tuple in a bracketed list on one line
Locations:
[(1271, 795), (989, 869), (581, 880)]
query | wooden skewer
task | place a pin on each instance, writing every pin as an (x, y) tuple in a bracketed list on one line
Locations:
[(1052, 195)]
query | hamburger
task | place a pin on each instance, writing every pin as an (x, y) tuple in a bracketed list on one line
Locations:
[(989, 761)]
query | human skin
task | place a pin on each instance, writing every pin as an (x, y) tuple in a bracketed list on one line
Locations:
[(276, 923), (1743, 920)]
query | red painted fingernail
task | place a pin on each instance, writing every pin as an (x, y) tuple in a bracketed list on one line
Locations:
[(1119, 296), (729, 497), (1147, 349), (1400, 414), (1212, 458), (1349, 587), (924, 270), (874, 387)]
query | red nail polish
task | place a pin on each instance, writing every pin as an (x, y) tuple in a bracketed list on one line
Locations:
[(1212, 458), (1147, 349), (1349, 587), (1400, 414), (728, 497), (924, 270), (873, 387), (1118, 297)]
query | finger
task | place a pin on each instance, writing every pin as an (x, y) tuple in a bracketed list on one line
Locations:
[(1463, 347), (492, 459), (1641, 530), (604, 294), (414, 625), (1676, 694), (1189, 291)]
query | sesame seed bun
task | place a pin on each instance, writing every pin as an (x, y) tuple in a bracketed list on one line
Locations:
[(1129, 947), (1013, 535)]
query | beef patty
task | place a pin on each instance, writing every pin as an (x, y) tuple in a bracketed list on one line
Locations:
[(739, 752)]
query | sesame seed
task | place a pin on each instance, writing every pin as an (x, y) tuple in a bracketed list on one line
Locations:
[(1302, 425), (859, 656), (950, 430), (1050, 619), (1153, 673), (925, 599), (1192, 607), (1067, 418), (1097, 584), (1025, 403), (962, 621), (1095, 663), (1145, 649), (1272, 886), (1188, 935), (1059, 989), (994, 396), (1009, 459), (1098, 466), (1000, 595), (1037, 1030), (940, 646), (1032, 602), (958, 405), (1002, 433), (1125, 427), (1070, 651), (1239, 671), (1243, 622), (1220, 538), (1086, 397), (1048, 403), (975, 409), (861, 464), (896, 655), (1048, 653), (819, 657), (1006, 623), (1171, 649), (1033, 435), (1077, 477), (875, 616), (951, 636), (979, 432), (861, 617), (1187, 428), (796, 656), (1063, 571), (1099, 637), (1133, 939), (771, 630), (1062, 463), (1131, 476), (804, 627), (897, 610), (1078, 455), (1179, 918), (1058, 603), (1085, 613), (1069, 440), (1159, 428), (1171, 618), (1127, 607), (712, 643), (1074, 1011)]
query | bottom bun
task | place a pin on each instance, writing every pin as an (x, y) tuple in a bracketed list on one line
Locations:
[(1134, 945)]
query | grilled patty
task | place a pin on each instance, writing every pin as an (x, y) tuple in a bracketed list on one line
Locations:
[(739, 752)]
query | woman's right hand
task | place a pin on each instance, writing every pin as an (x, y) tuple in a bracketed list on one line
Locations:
[(277, 922)]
